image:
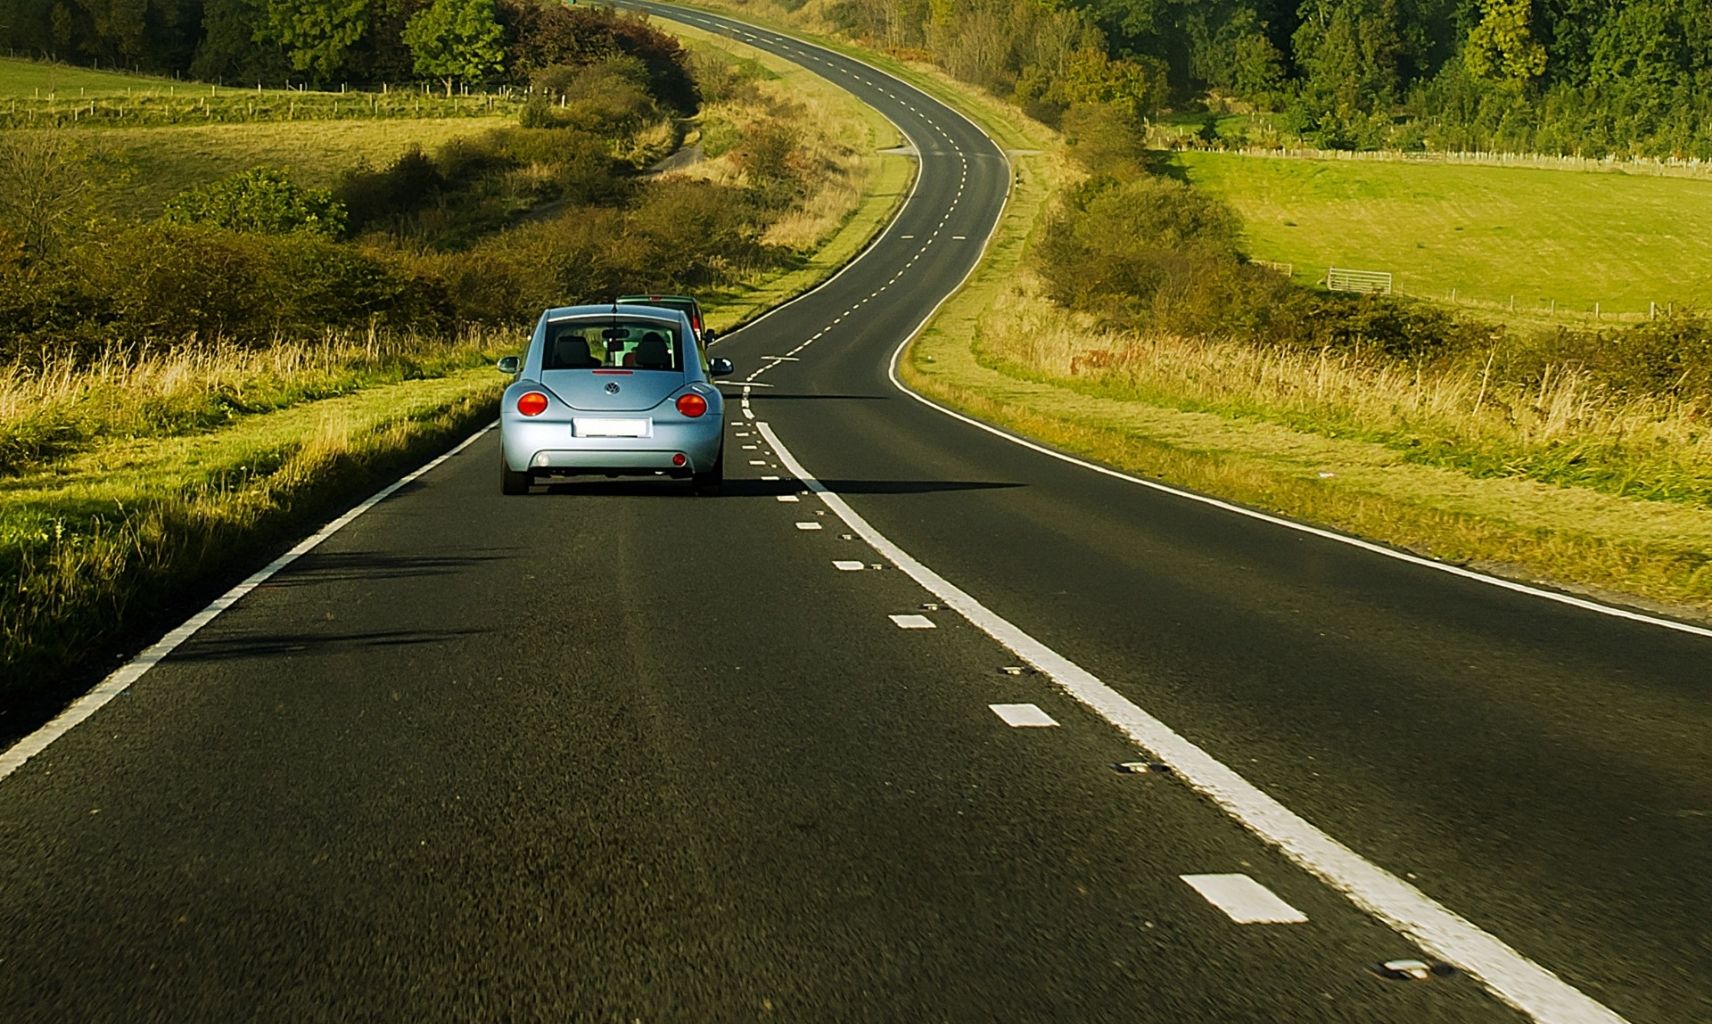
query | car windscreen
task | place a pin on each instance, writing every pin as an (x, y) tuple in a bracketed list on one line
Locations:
[(613, 343)]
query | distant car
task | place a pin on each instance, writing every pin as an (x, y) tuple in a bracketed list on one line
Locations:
[(612, 390), (686, 303)]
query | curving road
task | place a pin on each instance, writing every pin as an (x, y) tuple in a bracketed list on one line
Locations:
[(611, 753)]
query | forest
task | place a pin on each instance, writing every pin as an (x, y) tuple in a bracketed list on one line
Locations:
[(1571, 77), (1592, 78)]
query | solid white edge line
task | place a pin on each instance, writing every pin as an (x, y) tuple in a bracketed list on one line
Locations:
[(131, 671), (1356, 542), (1436, 929)]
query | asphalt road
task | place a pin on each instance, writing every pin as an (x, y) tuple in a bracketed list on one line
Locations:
[(610, 752)]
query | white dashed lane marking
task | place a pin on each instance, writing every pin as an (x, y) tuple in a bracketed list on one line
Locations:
[(786, 497), (1244, 900), (847, 566), (912, 621), (1023, 716), (809, 526)]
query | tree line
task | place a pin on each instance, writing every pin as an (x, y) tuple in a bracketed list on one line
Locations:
[(325, 42), (1586, 77)]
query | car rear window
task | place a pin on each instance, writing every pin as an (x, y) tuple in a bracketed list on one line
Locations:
[(631, 345)]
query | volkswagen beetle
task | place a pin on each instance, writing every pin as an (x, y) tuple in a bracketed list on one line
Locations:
[(612, 391)]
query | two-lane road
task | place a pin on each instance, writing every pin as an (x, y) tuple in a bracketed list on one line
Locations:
[(613, 753)]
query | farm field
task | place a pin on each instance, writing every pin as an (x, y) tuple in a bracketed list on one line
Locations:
[(21, 78), (158, 163), (1543, 236)]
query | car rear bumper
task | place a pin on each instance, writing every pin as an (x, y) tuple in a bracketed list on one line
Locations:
[(549, 447)]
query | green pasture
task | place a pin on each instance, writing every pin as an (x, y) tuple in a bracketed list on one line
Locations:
[(1490, 233), (33, 78), (155, 164)]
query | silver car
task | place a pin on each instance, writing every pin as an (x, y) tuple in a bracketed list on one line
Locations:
[(612, 390)]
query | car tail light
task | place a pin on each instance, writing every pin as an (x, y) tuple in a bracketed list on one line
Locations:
[(532, 403), (680, 459), (691, 404)]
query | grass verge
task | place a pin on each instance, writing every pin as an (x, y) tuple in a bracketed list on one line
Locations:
[(107, 547)]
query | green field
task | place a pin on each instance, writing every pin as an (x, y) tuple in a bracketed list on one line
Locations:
[(161, 162), (1542, 236), (30, 78)]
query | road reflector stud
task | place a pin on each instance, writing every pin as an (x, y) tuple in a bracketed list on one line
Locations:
[(929, 606), (1016, 670), (1412, 970), (846, 536), (1141, 768)]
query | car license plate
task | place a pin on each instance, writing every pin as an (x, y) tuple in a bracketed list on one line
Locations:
[(606, 427)]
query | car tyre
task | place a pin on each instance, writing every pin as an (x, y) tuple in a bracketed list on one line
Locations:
[(712, 481), (511, 482)]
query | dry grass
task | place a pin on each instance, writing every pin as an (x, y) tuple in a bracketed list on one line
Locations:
[(68, 404), (1568, 429)]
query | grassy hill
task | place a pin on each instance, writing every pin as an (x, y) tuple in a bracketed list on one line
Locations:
[(20, 78), (1577, 238)]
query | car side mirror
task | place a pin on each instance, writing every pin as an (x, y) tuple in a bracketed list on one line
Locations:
[(509, 364), (720, 368), (709, 335)]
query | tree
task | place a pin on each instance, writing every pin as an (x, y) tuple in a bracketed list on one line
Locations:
[(1502, 47), (317, 34), (47, 185), (453, 39)]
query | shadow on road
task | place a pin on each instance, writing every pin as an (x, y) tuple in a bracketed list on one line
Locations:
[(334, 567), (268, 645), (736, 488)]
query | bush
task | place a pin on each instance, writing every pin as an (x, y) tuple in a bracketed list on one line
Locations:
[(371, 197), (1669, 356), (1113, 247), (261, 201)]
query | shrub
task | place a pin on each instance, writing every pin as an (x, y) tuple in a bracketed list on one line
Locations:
[(371, 196), (261, 201)]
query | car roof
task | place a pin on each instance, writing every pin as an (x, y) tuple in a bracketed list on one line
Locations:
[(654, 297), (609, 309)]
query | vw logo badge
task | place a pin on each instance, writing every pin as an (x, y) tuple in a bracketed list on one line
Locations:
[(612, 387)]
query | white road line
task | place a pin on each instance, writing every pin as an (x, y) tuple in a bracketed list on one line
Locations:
[(786, 497), (121, 678), (1244, 900), (1434, 927), (809, 526), (846, 566), (749, 447), (912, 621), (769, 478), (757, 462), (1023, 716), (1401, 556)]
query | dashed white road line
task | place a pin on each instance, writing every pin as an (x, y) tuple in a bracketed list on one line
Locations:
[(809, 526), (786, 497), (848, 566), (912, 621), (1244, 900), (1433, 927), (1023, 716)]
